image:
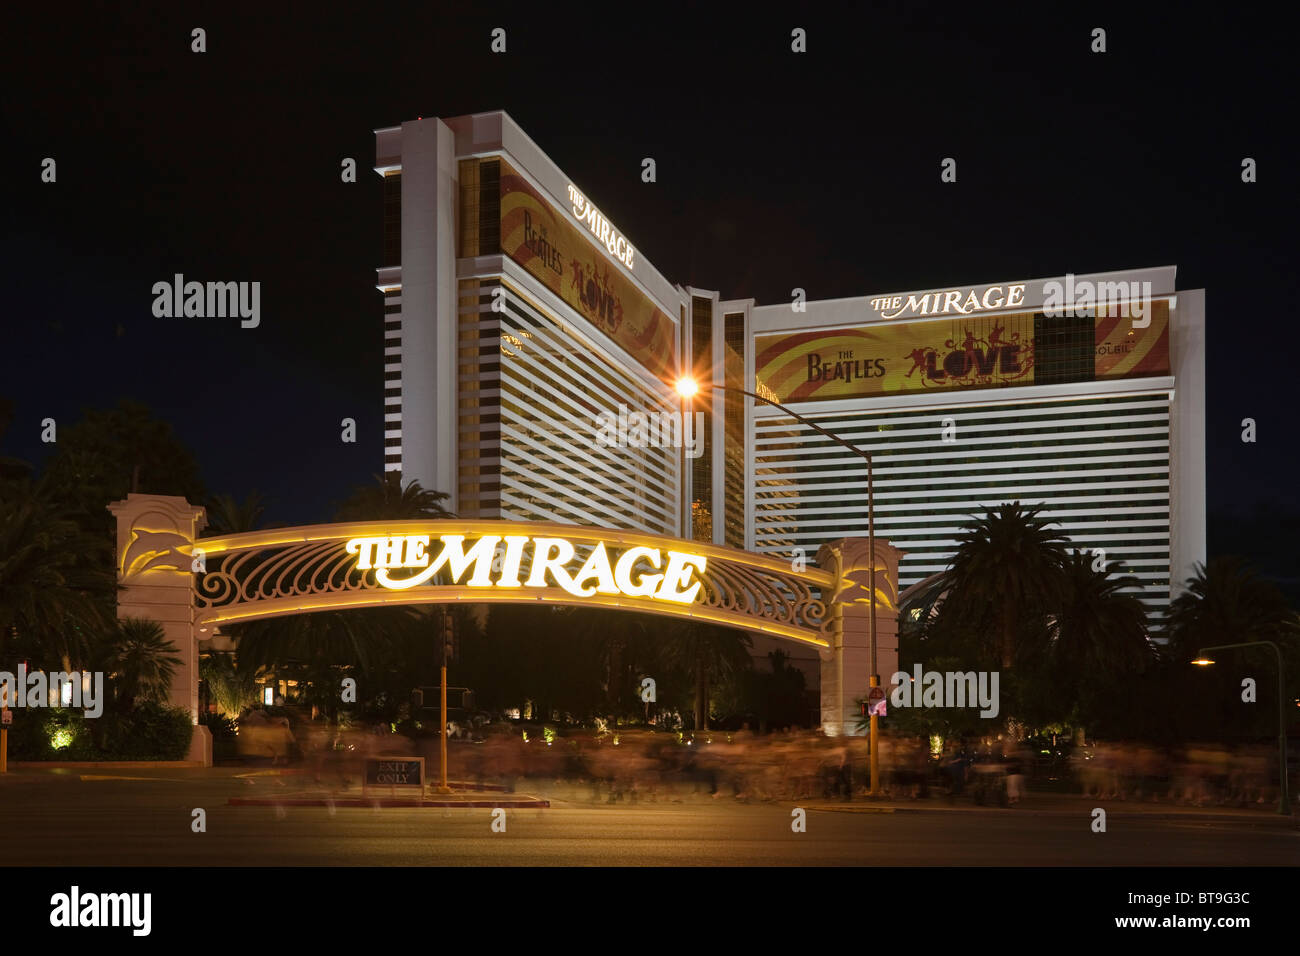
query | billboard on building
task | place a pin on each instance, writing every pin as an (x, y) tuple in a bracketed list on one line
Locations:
[(570, 265), (965, 353)]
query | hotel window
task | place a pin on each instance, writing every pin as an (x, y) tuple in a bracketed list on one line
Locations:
[(468, 211), (1064, 349), (393, 219), (480, 207), (489, 207), (733, 340)]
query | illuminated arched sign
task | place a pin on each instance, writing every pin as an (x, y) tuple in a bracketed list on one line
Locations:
[(498, 561), (257, 575)]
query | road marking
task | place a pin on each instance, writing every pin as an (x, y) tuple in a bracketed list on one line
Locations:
[(1226, 827), (104, 776)]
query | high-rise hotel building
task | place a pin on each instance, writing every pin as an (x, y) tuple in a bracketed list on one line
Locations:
[(516, 314)]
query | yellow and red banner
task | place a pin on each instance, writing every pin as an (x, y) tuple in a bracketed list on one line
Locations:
[(570, 265), (942, 354), (1126, 351)]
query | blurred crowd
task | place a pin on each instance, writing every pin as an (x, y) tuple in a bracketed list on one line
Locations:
[(632, 767), (1200, 775), (792, 765)]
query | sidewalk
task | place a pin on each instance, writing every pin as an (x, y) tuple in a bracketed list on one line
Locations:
[(465, 800), (295, 786), (1035, 804), (307, 792), (271, 787)]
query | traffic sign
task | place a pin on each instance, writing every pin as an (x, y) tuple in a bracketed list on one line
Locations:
[(876, 702)]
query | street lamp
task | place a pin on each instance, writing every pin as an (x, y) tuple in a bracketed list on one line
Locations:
[(1284, 801), (687, 387)]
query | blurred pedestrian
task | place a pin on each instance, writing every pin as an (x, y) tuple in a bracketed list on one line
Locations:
[(1016, 759)]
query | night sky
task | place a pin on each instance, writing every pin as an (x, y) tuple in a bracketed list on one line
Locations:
[(775, 170)]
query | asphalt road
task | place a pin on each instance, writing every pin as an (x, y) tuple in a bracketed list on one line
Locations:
[(105, 818)]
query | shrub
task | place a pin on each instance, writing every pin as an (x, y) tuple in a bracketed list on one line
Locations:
[(225, 742), (221, 725), (48, 735), (233, 690), (150, 732)]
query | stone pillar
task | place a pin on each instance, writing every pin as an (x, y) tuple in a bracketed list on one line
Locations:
[(846, 665), (155, 541)]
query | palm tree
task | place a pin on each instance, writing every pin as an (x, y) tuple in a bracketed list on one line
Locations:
[(359, 638), (141, 661), (1007, 571), (111, 452), (365, 639), (1096, 640), (231, 687), (228, 516), (1226, 602), (389, 499), (1099, 629), (708, 651), (55, 579)]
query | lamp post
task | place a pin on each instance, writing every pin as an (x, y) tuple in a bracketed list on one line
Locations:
[(1284, 800), (687, 387)]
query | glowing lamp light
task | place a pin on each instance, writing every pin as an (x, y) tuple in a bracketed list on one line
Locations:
[(1203, 661), (687, 387)]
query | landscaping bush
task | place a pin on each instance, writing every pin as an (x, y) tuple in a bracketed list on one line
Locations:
[(225, 742), (149, 732), (221, 725)]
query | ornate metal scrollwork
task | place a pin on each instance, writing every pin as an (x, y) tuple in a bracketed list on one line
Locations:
[(738, 589), (265, 573), (763, 594)]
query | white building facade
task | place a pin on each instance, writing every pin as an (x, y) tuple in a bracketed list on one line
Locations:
[(517, 315)]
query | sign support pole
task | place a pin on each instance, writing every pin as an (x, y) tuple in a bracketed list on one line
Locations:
[(6, 715), (442, 735), (442, 732), (874, 727)]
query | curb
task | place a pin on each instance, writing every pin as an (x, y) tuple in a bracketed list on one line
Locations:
[(862, 809), (463, 785)]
